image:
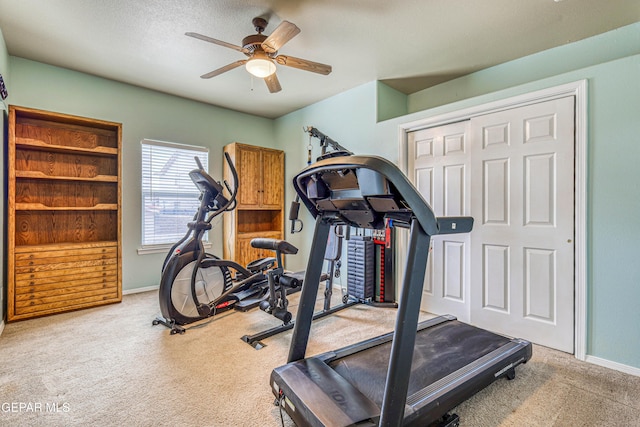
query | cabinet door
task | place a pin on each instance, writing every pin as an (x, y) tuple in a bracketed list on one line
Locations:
[(249, 170), (272, 177), (246, 253)]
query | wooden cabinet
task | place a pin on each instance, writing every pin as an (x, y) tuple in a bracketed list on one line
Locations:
[(63, 213), (261, 171), (259, 212)]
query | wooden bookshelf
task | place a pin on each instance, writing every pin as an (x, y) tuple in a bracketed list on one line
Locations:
[(63, 214)]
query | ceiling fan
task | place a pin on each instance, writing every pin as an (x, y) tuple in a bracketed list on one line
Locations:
[(262, 52)]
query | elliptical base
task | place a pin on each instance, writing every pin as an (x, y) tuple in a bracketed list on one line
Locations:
[(174, 329), (255, 339)]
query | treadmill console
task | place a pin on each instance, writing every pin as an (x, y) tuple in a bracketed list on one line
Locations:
[(360, 197), (362, 191)]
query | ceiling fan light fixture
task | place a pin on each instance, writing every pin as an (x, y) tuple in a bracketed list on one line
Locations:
[(261, 67), (262, 54)]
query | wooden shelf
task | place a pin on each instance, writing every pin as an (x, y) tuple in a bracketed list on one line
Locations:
[(41, 207), (39, 145), (42, 175)]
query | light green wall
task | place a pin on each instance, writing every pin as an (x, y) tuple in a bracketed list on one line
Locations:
[(391, 103), (614, 210), (143, 114), (613, 283), (4, 70)]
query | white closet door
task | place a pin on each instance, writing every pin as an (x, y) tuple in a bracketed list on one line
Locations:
[(522, 198), (513, 171), (439, 158)]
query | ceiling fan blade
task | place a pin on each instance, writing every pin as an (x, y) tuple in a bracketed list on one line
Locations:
[(272, 83), (224, 69), (282, 34), (303, 64), (216, 41)]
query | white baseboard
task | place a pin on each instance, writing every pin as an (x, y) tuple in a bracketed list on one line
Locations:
[(1, 326), (613, 365), (139, 290)]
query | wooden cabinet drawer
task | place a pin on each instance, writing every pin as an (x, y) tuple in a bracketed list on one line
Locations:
[(55, 304), (41, 278), (64, 255), (50, 279), (66, 297), (65, 267)]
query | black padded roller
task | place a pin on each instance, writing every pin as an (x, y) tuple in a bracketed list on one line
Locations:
[(275, 245), (290, 281)]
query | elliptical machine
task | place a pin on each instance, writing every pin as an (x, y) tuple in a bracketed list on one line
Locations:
[(195, 284)]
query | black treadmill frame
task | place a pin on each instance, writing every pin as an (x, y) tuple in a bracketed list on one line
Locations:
[(408, 209)]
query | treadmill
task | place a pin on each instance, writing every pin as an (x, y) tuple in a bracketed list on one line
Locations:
[(414, 375)]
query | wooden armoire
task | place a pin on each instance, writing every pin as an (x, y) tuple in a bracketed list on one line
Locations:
[(63, 213), (259, 212)]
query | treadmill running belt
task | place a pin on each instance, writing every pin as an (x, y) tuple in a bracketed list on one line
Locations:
[(439, 351)]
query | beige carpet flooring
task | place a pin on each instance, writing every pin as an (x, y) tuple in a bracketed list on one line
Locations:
[(109, 366)]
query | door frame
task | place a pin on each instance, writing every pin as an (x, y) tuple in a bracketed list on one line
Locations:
[(576, 89)]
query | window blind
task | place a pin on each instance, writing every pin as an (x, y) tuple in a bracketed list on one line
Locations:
[(169, 197)]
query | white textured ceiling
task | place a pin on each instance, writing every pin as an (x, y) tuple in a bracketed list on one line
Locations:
[(409, 44)]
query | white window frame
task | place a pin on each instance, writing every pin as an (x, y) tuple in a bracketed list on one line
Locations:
[(164, 147)]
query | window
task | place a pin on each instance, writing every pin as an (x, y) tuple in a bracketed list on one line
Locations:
[(169, 197)]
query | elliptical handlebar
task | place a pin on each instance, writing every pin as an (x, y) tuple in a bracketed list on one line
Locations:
[(212, 197), (234, 193), (198, 163)]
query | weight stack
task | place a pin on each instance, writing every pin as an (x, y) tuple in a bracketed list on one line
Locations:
[(361, 268)]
